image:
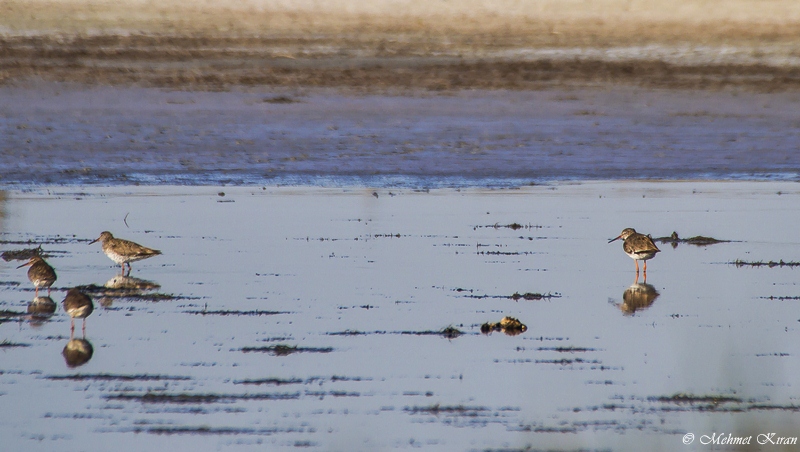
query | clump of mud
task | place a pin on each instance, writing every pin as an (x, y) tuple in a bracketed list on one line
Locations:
[(516, 296), (697, 240), (508, 325), (21, 255)]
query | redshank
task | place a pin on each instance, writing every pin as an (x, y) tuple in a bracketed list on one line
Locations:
[(639, 247), (78, 305), (41, 273), (124, 251)]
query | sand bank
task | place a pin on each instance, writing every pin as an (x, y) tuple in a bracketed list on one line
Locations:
[(404, 44)]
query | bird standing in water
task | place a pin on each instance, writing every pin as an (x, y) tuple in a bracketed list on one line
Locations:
[(124, 251), (41, 274), (79, 306), (639, 247)]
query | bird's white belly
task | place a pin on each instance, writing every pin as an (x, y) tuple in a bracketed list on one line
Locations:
[(641, 256), (43, 282)]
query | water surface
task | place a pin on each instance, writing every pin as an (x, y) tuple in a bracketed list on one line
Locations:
[(308, 317)]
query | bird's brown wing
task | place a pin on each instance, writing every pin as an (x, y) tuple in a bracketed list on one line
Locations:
[(128, 248)]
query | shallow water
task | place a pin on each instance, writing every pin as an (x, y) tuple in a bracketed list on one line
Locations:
[(359, 280)]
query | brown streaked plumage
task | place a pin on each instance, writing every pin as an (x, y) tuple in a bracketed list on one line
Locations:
[(41, 274), (124, 251), (78, 305), (639, 247)]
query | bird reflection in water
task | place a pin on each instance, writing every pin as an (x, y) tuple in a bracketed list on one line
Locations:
[(42, 307), (638, 297), (40, 310), (77, 352), (77, 305), (122, 286), (120, 282)]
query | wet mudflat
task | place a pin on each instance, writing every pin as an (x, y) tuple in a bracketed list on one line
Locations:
[(58, 133), (350, 319)]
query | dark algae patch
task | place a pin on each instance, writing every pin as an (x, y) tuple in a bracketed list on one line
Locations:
[(449, 332), (697, 240), (297, 381), (516, 296), (21, 255), (9, 344), (280, 100), (513, 226), (236, 313), (691, 399), (566, 349), (4, 313), (117, 377), (270, 381), (285, 350), (43, 240), (205, 430), (461, 410), (183, 398), (770, 264)]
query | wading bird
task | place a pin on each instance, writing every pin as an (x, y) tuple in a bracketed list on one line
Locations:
[(124, 251), (41, 273), (639, 247), (78, 305)]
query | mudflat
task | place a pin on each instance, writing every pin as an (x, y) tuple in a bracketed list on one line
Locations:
[(56, 133)]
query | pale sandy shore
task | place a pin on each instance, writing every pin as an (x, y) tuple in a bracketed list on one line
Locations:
[(404, 44)]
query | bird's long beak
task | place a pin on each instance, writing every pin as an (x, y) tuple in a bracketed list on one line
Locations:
[(616, 238), (94, 241), (26, 264)]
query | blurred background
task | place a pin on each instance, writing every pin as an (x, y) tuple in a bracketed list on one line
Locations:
[(436, 44)]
